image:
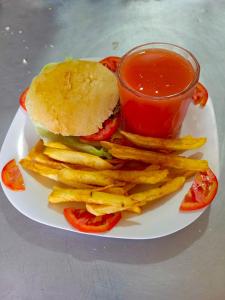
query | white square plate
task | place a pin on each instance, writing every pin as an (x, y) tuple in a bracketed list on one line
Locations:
[(157, 220)]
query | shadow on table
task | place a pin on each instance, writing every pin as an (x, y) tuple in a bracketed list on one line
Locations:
[(88, 248)]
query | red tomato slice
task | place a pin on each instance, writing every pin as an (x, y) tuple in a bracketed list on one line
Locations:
[(23, 99), (110, 126), (111, 62), (86, 222), (11, 176), (202, 191), (200, 95)]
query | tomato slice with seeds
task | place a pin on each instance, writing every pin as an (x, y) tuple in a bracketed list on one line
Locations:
[(87, 222), (111, 62), (23, 99), (200, 95), (12, 177), (110, 126), (202, 191)]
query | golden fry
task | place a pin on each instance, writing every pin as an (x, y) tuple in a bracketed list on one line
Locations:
[(80, 158), (38, 148), (136, 209), (100, 209), (166, 160), (179, 144), (152, 194), (109, 146), (109, 177), (44, 159), (140, 199), (115, 200), (138, 177), (61, 195), (113, 189), (70, 176), (152, 168), (37, 155), (39, 169), (178, 172), (56, 145), (52, 173), (129, 186)]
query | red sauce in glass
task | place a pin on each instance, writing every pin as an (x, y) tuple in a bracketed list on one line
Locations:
[(155, 73)]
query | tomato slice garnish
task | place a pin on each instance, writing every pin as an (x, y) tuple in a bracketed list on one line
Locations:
[(111, 62), (23, 99), (202, 191), (86, 222), (12, 177), (200, 96), (110, 126)]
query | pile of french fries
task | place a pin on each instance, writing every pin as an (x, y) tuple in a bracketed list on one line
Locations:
[(107, 185)]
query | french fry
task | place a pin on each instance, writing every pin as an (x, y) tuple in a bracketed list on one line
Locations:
[(109, 146), (113, 189), (115, 200), (100, 209), (152, 168), (178, 172), (108, 177), (140, 199), (56, 145), (136, 209), (48, 172), (37, 155), (44, 159), (61, 195), (145, 177), (80, 158), (70, 176), (166, 160), (39, 169), (129, 186), (179, 144), (37, 149), (152, 194)]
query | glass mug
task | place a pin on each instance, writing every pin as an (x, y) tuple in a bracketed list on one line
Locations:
[(153, 103)]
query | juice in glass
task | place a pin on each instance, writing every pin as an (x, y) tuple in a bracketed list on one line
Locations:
[(156, 83)]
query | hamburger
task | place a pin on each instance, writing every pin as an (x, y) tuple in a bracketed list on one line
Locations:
[(74, 101)]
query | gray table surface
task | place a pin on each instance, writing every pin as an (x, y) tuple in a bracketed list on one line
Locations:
[(38, 262)]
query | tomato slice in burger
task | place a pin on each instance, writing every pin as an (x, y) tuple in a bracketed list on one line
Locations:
[(86, 222), (23, 99), (111, 62), (12, 177), (202, 191), (200, 95), (110, 126)]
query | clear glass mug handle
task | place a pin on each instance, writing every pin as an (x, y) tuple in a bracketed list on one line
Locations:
[(200, 95)]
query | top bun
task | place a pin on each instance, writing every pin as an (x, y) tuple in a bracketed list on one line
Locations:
[(73, 97)]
